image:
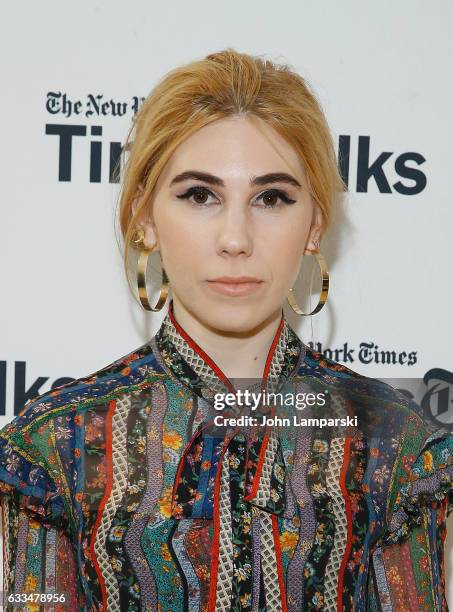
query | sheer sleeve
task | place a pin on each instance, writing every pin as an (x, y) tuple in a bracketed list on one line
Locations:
[(39, 555), (422, 480), (410, 574), (38, 561), (408, 571), (24, 474)]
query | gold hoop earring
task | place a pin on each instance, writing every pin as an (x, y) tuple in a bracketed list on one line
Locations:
[(142, 266), (324, 289)]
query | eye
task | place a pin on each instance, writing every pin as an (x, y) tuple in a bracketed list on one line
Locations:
[(270, 196), (199, 193)]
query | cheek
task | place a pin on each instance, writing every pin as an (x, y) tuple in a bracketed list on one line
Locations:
[(181, 249), (284, 253), (287, 242)]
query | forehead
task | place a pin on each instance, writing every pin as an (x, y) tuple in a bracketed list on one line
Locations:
[(234, 147)]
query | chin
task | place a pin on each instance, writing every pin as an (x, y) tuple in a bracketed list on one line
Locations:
[(232, 314)]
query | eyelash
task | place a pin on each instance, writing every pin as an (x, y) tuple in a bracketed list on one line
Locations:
[(192, 190)]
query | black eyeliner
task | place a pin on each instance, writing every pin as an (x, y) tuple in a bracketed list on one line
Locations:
[(281, 194)]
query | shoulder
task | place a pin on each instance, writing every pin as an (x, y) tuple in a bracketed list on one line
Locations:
[(37, 447), (136, 369), (47, 429), (317, 365), (406, 445), (396, 407)]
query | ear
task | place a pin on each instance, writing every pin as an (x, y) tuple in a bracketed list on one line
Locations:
[(315, 230), (145, 221)]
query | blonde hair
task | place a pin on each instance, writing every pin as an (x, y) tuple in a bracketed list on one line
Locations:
[(221, 85)]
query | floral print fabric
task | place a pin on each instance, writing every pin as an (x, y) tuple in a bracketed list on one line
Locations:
[(113, 493)]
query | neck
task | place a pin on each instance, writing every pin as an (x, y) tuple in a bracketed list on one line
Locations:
[(238, 354)]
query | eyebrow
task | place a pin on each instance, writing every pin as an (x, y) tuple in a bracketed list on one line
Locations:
[(264, 179)]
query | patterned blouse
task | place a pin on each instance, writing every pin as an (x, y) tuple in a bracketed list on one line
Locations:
[(119, 493)]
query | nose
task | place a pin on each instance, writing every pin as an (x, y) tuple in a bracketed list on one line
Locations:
[(234, 233)]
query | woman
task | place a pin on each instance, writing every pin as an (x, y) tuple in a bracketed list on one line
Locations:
[(122, 491)]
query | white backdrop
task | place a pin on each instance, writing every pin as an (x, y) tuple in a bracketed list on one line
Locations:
[(382, 72)]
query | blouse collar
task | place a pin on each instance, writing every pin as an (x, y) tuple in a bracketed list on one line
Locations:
[(192, 366), (194, 494)]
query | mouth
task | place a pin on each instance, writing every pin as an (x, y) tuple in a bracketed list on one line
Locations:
[(235, 287)]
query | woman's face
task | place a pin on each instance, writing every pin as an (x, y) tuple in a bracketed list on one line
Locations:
[(232, 202)]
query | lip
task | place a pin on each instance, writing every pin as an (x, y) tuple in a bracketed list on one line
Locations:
[(235, 279), (236, 288)]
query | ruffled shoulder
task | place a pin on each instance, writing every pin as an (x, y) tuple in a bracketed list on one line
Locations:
[(24, 475), (417, 455), (422, 479), (31, 471)]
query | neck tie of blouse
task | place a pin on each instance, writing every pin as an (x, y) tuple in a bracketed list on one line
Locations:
[(229, 474)]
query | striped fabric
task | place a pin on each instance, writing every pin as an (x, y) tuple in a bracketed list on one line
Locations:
[(119, 491)]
